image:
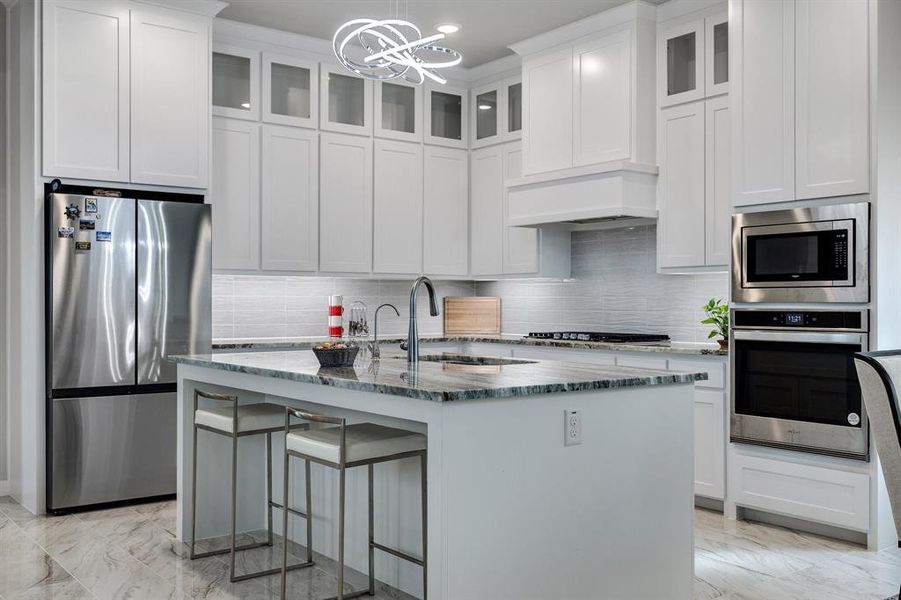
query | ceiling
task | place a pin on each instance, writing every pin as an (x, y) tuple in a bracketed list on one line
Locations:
[(488, 26)]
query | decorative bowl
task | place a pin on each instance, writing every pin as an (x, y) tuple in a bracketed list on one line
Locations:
[(336, 357)]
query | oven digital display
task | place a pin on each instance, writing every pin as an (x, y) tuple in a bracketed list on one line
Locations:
[(794, 318)]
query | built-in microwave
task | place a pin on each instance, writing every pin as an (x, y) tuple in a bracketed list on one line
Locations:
[(814, 254)]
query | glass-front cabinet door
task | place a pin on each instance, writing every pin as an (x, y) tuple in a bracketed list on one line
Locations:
[(717, 53), (446, 114), (290, 91), (398, 111), (486, 116), (513, 89), (680, 62), (345, 101), (236, 82)]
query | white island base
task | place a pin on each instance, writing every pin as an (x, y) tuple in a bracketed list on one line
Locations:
[(513, 513)]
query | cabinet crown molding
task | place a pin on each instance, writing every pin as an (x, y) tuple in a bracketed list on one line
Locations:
[(573, 32), (207, 8)]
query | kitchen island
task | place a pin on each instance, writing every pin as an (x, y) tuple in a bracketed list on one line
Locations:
[(513, 512)]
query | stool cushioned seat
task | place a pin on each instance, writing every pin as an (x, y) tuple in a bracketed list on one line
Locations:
[(251, 417), (364, 441)]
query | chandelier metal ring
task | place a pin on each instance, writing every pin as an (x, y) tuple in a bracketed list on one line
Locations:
[(391, 48)]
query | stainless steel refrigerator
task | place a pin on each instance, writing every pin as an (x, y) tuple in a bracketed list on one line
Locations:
[(128, 283)]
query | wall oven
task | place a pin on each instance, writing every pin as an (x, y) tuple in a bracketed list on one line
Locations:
[(794, 384), (815, 254)]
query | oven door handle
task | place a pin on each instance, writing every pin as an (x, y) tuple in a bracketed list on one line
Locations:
[(804, 337)]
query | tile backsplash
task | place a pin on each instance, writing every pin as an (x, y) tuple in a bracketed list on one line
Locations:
[(615, 286), (258, 306)]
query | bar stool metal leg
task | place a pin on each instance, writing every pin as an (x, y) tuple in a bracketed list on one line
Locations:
[(234, 504), (309, 511), (423, 461), (194, 487), (341, 487), (371, 495), (269, 486)]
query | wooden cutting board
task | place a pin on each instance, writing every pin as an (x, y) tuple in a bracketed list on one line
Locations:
[(466, 315)]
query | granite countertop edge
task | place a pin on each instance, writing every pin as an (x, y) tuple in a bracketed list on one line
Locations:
[(304, 343), (342, 378)]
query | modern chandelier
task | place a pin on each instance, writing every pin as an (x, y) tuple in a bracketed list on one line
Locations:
[(391, 48)]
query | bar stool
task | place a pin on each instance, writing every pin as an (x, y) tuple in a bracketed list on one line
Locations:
[(342, 448), (236, 422)]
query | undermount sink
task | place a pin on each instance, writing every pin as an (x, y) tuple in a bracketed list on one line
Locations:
[(466, 359)]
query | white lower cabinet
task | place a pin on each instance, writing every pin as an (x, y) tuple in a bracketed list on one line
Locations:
[(290, 199), (345, 203), (710, 443), (446, 211), (397, 217), (235, 195), (819, 489)]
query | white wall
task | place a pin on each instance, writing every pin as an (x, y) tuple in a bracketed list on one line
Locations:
[(24, 289), (4, 431)]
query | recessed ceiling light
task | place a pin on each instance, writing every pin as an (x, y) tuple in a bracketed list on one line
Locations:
[(447, 28)]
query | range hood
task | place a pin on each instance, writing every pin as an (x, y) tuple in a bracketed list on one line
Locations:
[(596, 193)]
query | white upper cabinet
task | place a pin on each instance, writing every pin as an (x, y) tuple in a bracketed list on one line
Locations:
[(680, 62), (547, 111), (235, 194), (398, 111), (513, 91), (800, 99), (446, 211), (718, 188), (832, 99), (170, 96), (495, 113), (520, 243), (716, 62), (236, 82), (763, 101), (397, 216), (290, 91), (345, 102), (487, 211), (603, 99), (86, 92), (345, 204), (290, 199), (591, 104), (680, 189), (446, 116), (487, 115)]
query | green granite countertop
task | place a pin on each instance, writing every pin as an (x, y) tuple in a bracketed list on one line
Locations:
[(303, 343), (468, 378)]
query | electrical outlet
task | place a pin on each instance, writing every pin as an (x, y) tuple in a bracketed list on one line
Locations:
[(572, 427)]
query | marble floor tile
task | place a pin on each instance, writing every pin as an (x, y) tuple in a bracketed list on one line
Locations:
[(130, 553), (24, 565)]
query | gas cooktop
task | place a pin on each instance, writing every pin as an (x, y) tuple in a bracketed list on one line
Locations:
[(599, 336)]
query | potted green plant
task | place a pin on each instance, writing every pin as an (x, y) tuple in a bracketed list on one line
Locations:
[(717, 314)]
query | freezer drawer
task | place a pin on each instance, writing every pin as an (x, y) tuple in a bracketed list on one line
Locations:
[(112, 448), (174, 285), (92, 254)]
